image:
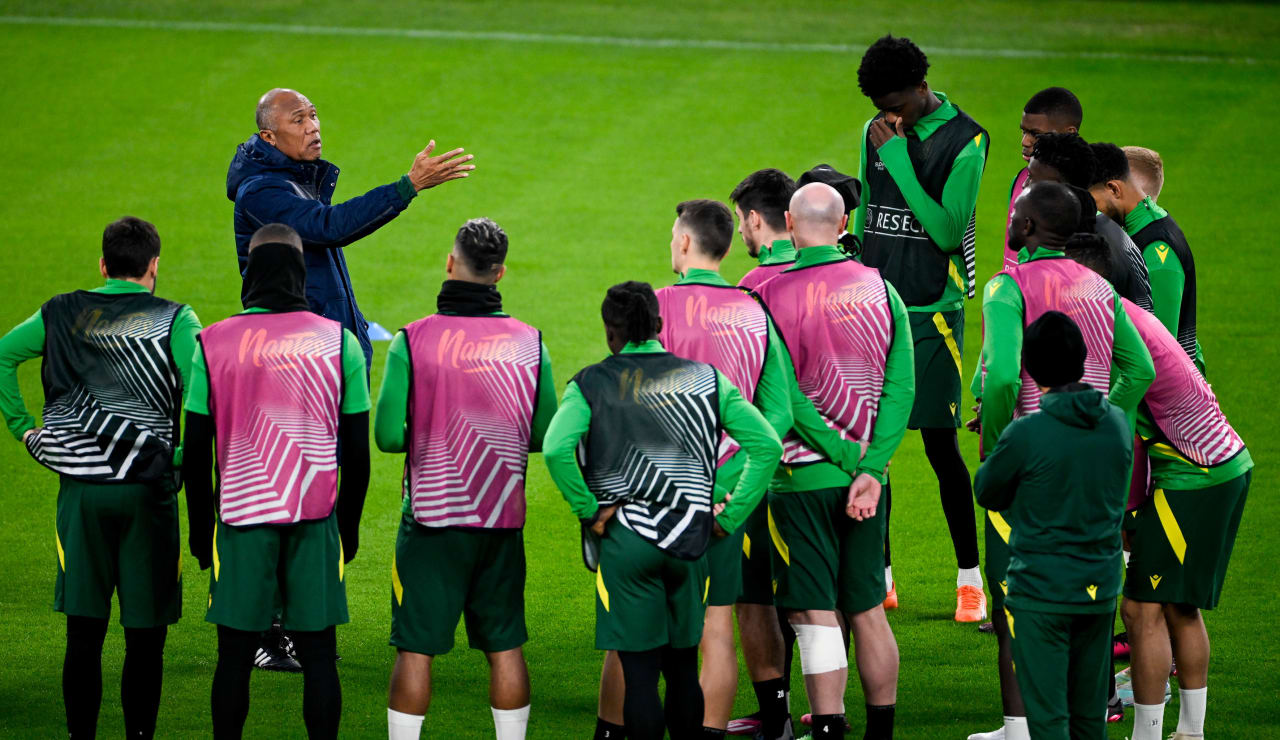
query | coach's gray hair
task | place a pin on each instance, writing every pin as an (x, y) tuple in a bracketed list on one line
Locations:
[(265, 115)]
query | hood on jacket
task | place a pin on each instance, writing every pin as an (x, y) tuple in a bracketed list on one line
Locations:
[(1077, 405), (257, 157)]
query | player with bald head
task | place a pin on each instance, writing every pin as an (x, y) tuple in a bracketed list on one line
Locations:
[(848, 339)]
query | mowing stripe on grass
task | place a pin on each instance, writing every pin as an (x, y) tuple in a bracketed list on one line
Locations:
[(557, 38)]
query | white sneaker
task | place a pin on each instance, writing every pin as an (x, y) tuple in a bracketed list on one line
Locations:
[(993, 735)]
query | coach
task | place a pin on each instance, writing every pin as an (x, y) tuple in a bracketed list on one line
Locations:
[(277, 176)]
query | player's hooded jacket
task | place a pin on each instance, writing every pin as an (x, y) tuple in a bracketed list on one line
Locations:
[(268, 187)]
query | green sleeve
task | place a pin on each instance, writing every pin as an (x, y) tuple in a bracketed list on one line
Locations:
[(896, 396), (23, 342), (860, 214), (393, 398), (995, 483), (948, 221), (1132, 368), (772, 397), (198, 388), (355, 392), (545, 407), (810, 426), (748, 427), (1001, 355), (1167, 283), (560, 448), (182, 343)]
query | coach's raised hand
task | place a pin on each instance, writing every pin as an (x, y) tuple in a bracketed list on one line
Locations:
[(429, 171)]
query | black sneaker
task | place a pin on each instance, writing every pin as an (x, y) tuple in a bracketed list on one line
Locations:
[(1115, 709), (275, 652)]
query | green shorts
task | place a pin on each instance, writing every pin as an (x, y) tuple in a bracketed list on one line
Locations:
[(645, 598), (300, 564), (1181, 542), (440, 574), (757, 558), (997, 557), (118, 537), (824, 560), (939, 344), (724, 567)]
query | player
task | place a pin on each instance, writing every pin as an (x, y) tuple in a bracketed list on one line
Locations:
[(1043, 221), (467, 393), (116, 363), (1165, 249), (278, 394), (1182, 536), (759, 202), (705, 319), (846, 333), (1060, 478), (1068, 159), (1053, 109), (922, 163), (1147, 170), (649, 424)]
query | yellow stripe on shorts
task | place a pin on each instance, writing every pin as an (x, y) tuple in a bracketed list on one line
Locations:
[(950, 340), (776, 536), (62, 556), (600, 589), (746, 546), (341, 565), (217, 562), (1009, 616), (1002, 527), (1170, 525), (397, 587)]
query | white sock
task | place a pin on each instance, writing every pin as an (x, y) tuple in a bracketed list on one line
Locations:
[(888, 578), (1015, 728), (969, 577), (1148, 722), (1126, 557), (510, 724), (1191, 711), (401, 726)]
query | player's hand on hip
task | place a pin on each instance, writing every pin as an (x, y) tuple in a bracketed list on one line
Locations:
[(864, 497), (429, 171), (603, 518)]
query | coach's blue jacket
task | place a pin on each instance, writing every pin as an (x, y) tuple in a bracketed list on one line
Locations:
[(268, 187)]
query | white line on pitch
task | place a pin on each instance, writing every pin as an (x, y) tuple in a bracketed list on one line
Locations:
[(554, 38)]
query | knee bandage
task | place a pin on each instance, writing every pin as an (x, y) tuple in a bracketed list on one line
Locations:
[(821, 648)]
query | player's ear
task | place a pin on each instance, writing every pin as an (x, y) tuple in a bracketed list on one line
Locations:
[(102, 266), (154, 268), (790, 224), (658, 329), (448, 265), (268, 136), (844, 223), (502, 270)]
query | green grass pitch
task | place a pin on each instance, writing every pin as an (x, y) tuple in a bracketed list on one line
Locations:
[(584, 147)]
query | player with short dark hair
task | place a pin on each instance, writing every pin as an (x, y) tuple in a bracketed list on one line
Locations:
[(1069, 159), (1044, 219), (649, 424), (1064, 519), (1164, 248), (278, 407), (1052, 110), (922, 163), (1182, 535), (760, 202), (467, 394), (116, 362)]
